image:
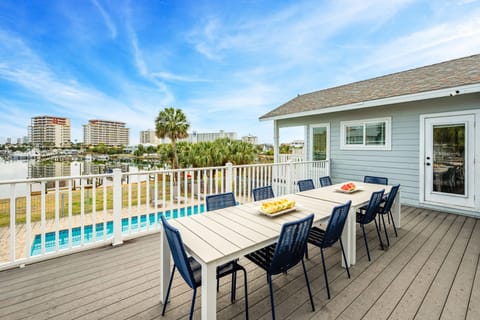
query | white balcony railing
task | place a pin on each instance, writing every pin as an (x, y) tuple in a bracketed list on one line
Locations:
[(48, 217)]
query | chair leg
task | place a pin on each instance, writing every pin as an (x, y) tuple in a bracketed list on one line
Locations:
[(168, 291), (325, 273), (234, 287), (366, 242), (193, 303), (385, 230), (378, 234), (308, 285), (393, 222), (306, 252), (246, 292), (269, 277), (344, 258)]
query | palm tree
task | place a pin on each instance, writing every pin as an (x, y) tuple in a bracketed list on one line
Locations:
[(172, 123)]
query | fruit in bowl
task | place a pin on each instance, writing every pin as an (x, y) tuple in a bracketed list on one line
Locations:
[(348, 187), (274, 206)]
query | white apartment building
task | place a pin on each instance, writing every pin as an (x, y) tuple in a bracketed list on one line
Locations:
[(250, 139), (195, 137), (48, 130), (110, 133), (149, 137)]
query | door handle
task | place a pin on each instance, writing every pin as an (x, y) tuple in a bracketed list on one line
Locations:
[(428, 163)]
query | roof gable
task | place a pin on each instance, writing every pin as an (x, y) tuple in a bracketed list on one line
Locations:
[(449, 74)]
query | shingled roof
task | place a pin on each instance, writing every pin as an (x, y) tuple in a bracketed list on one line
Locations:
[(449, 74)]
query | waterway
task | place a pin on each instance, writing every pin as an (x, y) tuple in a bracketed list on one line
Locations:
[(26, 169)]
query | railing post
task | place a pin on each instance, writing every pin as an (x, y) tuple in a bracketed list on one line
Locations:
[(228, 177), (117, 207), (290, 178)]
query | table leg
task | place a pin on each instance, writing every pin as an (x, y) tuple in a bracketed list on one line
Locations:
[(165, 267), (209, 292), (348, 238), (396, 210)]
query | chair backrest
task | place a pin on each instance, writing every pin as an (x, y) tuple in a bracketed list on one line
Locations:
[(291, 245), (325, 181), (220, 201), (178, 252), (373, 206), (377, 180), (391, 197), (304, 185), (262, 193), (336, 224)]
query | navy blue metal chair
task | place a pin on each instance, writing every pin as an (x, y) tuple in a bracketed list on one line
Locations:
[(368, 214), (387, 210), (377, 180), (220, 201), (304, 185), (262, 193), (325, 181), (285, 254), (191, 270), (326, 238)]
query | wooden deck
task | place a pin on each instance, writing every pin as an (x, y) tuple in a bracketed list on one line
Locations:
[(431, 271)]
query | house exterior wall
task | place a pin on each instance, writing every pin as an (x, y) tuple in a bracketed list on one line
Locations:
[(401, 163)]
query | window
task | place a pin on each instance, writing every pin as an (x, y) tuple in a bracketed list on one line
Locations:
[(371, 134)]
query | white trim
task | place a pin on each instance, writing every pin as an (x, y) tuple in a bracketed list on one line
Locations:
[(476, 165), (447, 92), (363, 122), (310, 140)]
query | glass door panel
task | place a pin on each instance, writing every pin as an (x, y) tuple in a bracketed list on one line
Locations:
[(449, 158), (319, 143)]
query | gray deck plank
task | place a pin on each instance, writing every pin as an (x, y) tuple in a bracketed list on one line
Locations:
[(122, 282), (458, 298), (395, 289), (434, 301)]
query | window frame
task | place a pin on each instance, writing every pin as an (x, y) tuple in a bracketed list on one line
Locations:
[(363, 123)]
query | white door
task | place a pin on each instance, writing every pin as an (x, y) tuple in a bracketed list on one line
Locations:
[(449, 150)]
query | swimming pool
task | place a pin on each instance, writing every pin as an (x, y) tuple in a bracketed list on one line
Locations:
[(135, 226)]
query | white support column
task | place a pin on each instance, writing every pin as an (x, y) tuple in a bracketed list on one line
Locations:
[(229, 177), (276, 141), (12, 222), (117, 207)]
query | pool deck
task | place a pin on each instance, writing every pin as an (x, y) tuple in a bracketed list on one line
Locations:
[(431, 271)]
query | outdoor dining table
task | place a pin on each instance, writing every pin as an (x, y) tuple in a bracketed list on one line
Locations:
[(219, 236)]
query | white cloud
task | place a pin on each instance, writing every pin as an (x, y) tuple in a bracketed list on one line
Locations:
[(449, 40), (108, 21)]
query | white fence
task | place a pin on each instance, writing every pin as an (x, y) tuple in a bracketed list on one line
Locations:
[(62, 215)]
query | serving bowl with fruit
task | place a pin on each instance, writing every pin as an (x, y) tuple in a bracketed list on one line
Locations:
[(278, 206), (348, 187)]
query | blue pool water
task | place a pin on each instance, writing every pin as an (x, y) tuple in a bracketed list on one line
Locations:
[(135, 226)]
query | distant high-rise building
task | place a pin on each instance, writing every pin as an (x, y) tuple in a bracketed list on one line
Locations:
[(110, 133), (209, 136), (50, 131), (250, 139), (149, 137)]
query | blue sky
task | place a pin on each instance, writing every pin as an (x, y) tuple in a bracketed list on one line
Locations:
[(224, 63)]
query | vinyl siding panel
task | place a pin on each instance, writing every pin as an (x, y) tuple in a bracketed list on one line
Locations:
[(401, 163)]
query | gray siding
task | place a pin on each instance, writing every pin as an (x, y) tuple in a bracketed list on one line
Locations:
[(401, 163)]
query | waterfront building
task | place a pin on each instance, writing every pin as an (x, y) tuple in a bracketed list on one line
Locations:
[(149, 137), (50, 131), (195, 137), (250, 139), (110, 133)]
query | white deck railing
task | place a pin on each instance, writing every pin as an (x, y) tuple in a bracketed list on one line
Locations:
[(47, 217)]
